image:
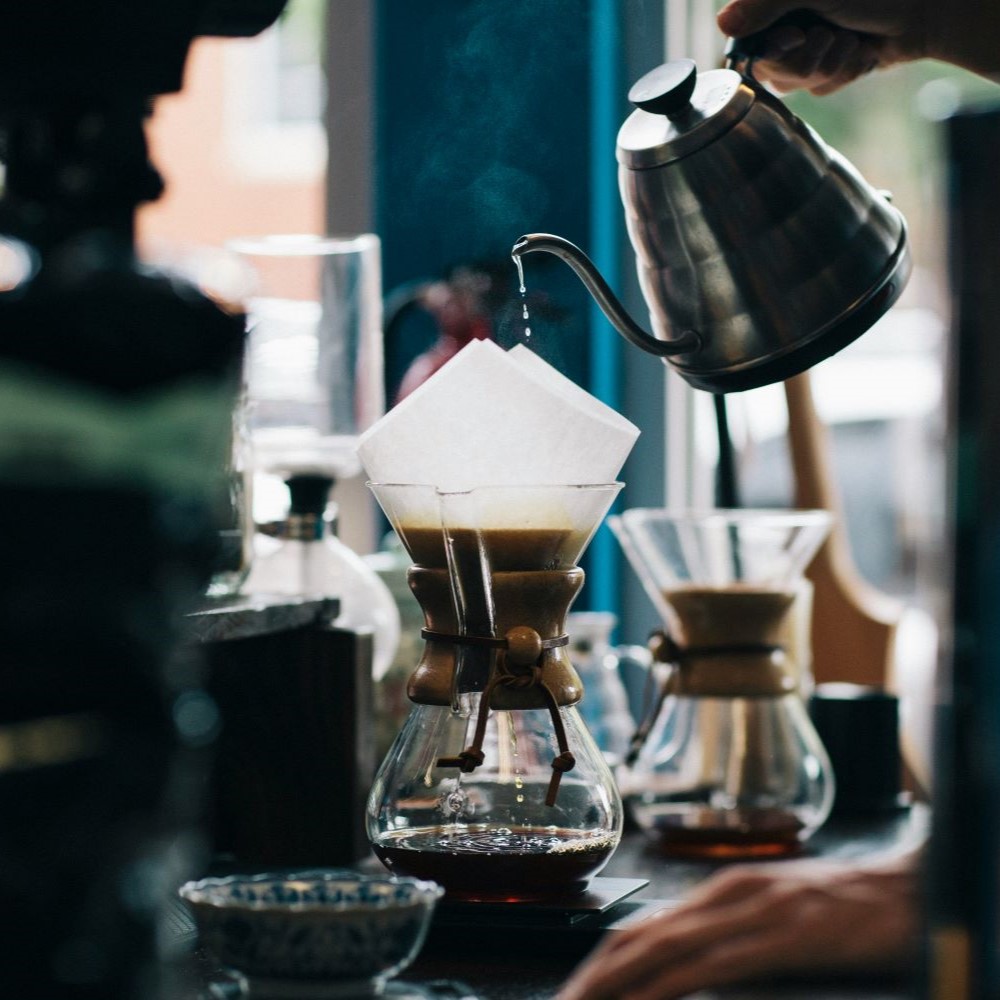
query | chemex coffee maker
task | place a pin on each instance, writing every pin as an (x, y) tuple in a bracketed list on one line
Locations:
[(495, 473), (726, 762), (760, 250), (494, 788)]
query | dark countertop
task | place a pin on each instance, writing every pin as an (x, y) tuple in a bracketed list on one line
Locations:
[(519, 962), (255, 615), (841, 839), (497, 970), (503, 971)]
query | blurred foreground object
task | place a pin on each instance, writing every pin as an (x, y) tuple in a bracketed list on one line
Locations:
[(117, 389), (964, 917)]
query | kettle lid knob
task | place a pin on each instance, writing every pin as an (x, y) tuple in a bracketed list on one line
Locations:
[(667, 89)]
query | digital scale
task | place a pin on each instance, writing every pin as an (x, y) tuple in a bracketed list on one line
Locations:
[(567, 925)]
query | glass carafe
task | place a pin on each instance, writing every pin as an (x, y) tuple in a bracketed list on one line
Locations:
[(727, 762), (605, 707), (494, 788)]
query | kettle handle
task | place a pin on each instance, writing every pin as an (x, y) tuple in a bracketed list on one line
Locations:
[(751, 47), (684, 343)]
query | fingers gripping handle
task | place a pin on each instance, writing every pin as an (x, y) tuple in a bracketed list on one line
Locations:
[(750, 47)]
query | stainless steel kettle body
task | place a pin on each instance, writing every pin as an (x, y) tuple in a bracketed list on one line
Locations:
[(760, 250)]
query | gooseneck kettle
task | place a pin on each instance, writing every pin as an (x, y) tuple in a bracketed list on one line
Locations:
[(760, 250)]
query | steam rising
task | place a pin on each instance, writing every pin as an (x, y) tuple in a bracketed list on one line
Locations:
[(498, 118)]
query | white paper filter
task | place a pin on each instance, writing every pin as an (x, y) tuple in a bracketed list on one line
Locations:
[(492, 417)]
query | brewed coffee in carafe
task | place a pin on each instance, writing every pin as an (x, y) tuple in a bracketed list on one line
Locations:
[(726, 763)]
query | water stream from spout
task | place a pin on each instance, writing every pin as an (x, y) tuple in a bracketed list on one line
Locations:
[(519, 264)]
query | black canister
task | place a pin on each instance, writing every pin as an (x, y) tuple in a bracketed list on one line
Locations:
[(859, 726)]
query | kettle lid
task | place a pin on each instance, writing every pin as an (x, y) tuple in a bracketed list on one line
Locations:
[(679, 110)]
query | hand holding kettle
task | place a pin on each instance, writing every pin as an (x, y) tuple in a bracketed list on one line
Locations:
[(760, 250), (836, 41)]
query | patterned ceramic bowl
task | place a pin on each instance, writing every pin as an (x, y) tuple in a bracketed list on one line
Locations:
[(314, 935)]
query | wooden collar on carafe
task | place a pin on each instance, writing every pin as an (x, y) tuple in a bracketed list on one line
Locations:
[(666, 649)]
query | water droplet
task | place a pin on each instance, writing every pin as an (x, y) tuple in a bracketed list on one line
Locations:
[(519, 264), (524, 293), (454, 802)]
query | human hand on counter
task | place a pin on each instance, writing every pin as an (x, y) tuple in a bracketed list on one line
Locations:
[(863, 35), (753, 921)]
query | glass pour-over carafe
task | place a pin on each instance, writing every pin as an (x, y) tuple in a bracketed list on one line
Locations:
[(726, 763), (494, 788)]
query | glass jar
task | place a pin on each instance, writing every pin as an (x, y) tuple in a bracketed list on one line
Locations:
[(605, 706), (309, 560)]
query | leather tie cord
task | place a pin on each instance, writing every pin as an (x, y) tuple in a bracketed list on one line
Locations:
[(665, 649), (522, 648)]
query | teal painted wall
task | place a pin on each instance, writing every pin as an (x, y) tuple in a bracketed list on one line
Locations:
[(485, 130)]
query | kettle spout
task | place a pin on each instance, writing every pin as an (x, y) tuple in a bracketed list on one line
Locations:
[(585, 270)]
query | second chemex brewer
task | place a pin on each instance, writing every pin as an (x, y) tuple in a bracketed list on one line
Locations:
[(727, 762)]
